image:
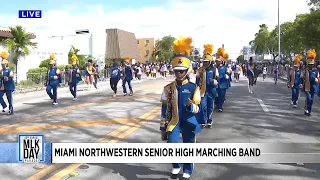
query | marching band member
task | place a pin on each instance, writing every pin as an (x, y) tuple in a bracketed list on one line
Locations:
[(89, 74), (310, 80), (206, 80), (115, 76), (229, 70), (180, 100), (223, 84), (75, 77), (250, 74), (127, 76), (53, 81), (295, 81), (6, 83)]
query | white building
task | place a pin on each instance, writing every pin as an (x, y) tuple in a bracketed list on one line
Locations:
[(60, 45)]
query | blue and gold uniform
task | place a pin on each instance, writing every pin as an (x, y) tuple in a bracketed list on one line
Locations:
[(54, 79), (223, 79), (295, 81), (127, 77), (310, 81), (207, 81), (75, 77), (6, 83), (178, 114)]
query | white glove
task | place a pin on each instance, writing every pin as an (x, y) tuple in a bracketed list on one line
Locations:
[(300, 86), (227, 76), (316, 80), (215, 82), (55, 77)]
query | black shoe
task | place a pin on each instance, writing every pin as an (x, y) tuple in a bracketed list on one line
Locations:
[(209, 126), (3, 110), (220, 110)]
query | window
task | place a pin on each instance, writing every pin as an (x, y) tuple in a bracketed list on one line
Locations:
[(147, 52), (138, 41), (147, 41)]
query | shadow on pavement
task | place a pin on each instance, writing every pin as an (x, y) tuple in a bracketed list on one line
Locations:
[(132, 172)]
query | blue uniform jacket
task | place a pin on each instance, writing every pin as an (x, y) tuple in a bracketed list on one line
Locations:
[(128, 73), (295, 79), (313, 79), (51, 80), (222, 79), (180, 114), (75, 76), (8, 85), (115, 72), (211, 73)]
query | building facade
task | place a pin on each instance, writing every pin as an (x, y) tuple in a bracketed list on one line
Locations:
[(146, 47), (121, 44)]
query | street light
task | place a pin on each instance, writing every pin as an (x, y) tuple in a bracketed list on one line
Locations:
[(279, 50), (193, 40)]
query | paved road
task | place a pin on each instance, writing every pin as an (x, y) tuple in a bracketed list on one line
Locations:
[(264, 116)]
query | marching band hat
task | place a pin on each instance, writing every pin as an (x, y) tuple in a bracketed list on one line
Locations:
[(74, 59), (311, 56), (4, 56), (182, 48), (52, 59), (297, 60), (220, 54), (208, 49)]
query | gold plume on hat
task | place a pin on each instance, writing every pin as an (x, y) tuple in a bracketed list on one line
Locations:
[(183, 46), (127, 58), (52, 56), (4, 55), (226, 56), (297, 59), (208, 49), (74, 59), (221, 52), (311, 54)]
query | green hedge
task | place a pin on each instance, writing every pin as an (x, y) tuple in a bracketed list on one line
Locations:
[(36, 74)]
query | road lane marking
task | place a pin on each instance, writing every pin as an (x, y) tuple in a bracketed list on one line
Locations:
[(67, 109), (263, 106), (64, 172), (51, 168), (25, 129), (45, 171)]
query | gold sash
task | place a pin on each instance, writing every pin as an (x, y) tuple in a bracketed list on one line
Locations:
[(307, 81), (292, 79), (203, 83), (174, 108)]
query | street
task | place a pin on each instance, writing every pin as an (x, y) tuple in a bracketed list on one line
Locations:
[(265, 116)]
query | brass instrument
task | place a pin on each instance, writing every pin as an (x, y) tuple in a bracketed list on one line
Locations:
[(164, 134)]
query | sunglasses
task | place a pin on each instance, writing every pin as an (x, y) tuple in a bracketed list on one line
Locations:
[(180, 71)]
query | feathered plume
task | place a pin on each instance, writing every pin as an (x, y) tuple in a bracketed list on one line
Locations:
[(297, 59), (221, 52), (52, 57), (74, 59), (183, 46), (127, 58), (312, 54), (4, 55), (226, 56), (208, 49)]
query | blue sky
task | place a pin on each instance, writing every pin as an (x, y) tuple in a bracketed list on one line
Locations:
[(12, 6)]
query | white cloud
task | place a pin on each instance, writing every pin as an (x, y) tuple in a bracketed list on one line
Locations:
[(229, 22)]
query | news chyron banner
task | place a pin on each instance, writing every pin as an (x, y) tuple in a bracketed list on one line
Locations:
[(32, 148)]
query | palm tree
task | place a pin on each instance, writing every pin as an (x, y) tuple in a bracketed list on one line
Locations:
[(18, 45)]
